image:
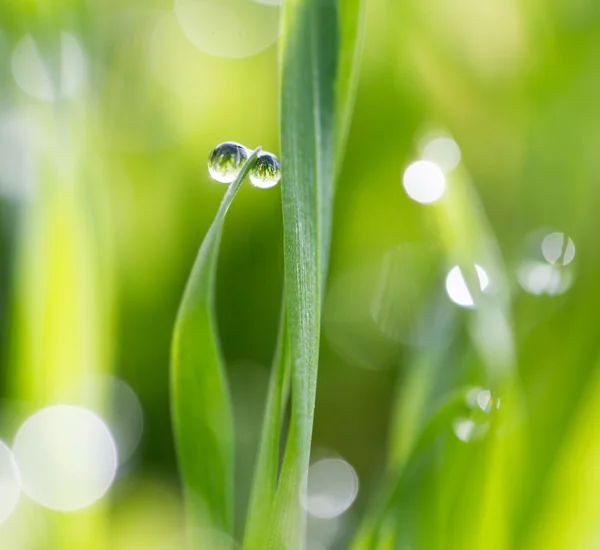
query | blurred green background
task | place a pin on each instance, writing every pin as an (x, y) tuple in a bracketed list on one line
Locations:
[(108, 111)]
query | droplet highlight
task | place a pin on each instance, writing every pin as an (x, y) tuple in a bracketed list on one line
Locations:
[(424, 182), (475, 425), (226, 160), (329, 489), (457, 289), (558, 249), (266, 172)]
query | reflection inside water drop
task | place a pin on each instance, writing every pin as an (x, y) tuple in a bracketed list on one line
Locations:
[(226, 160), (266, 172)]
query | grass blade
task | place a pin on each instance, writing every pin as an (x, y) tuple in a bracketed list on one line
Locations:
[(267, 465), (318, 74), (201, 402)]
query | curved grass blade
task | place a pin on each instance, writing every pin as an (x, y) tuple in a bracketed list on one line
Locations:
[(378, 527), (267, 465), (319, 47), (201, 406)]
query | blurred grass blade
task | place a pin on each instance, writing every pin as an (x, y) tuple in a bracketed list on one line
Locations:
[(201, 404), (381, 522), (319, 47), (469, 241), (267, 466)]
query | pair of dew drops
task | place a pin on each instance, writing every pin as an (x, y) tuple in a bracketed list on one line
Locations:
[(226, 160)]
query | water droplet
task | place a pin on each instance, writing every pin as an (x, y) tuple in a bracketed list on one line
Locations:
[(457, 289), (558, 249), (481, 403), (226, 160), (266, 172), (424, 182), (547, 269)]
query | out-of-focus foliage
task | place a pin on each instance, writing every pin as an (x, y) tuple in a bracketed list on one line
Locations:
[(108, 111)]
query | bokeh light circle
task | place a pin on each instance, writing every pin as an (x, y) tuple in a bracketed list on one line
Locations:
[(424, 182), (10, 489), (67, 457), (229, 28), (443, 151), (330, 488), (457, 289)]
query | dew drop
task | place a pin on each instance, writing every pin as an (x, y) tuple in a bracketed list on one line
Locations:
[(558, 249), (474, 426), (226, 160), (266, 172), (456, 286)]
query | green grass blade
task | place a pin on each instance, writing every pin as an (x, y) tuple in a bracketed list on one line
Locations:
[(318, 73), (267, 466), (468, 239), (351, 17), (201, 404)]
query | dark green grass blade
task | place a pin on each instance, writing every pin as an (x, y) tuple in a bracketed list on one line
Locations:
[(318, 74), (201, 406)]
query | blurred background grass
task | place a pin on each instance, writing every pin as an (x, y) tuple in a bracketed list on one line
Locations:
[(106, 198)]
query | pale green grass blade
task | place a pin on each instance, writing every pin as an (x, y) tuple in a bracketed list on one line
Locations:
[(201, 404), (569, 517), (469, 239), (318, 73), (267, 467), (351, 18)]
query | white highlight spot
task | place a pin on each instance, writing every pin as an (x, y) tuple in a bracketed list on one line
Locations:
[(463, 429), (120, 407), (457, 289), (228, 28), (484, 400), (556, 251), (18, 140), (66, 456), (33, 75), (541, 278), (467, 430), (424, 181), (443, 151), (10, 489), (330, 488)]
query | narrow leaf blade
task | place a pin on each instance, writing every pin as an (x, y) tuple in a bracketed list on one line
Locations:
[(201, 406), (317, 84)]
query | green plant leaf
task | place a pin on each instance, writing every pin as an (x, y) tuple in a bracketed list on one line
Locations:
[(201, 406), (319, 50), (264, 484)]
